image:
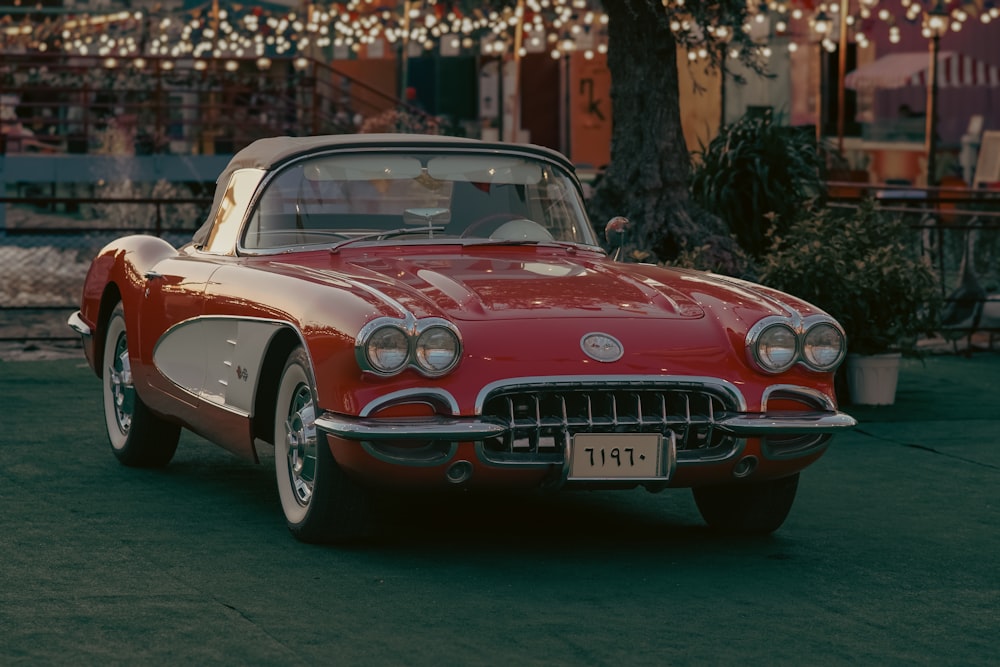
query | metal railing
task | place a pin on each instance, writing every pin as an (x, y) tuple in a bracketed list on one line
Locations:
[(958, 229), (48, 243), (58, 103)]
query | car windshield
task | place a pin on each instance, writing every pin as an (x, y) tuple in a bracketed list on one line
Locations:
[(331, 199)]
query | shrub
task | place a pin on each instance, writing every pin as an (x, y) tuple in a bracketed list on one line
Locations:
[(860, 266), (756, 176)]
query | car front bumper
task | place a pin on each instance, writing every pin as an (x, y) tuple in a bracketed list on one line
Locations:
[(766, 444), (749, 425)]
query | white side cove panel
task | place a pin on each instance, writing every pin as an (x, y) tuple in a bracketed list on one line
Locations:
[(217, 359)]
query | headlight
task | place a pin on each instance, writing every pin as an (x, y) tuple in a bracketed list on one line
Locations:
[(823, 347), (775, 348), (387, 349), (437, 350), (389, 345)]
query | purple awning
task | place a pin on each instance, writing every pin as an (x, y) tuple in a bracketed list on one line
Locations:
[(899, 70)]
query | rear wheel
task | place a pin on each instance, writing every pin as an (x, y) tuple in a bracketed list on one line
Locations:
[(757, 508), (138, 437), (321, 503)]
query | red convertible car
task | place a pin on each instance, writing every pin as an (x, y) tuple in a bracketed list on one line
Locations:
[(413, 312)]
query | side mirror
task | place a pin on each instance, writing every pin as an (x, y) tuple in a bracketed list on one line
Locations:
[(614, 233)]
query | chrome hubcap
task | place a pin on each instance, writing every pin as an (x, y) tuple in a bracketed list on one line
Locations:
[(300, 436), (120, 381)]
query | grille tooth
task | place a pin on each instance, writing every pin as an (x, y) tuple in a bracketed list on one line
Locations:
[(543, 418), (688, 431)]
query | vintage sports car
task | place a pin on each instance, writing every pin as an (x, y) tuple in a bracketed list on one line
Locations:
[(404, 312)]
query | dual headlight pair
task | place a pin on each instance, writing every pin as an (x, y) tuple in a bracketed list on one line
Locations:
[(775, 344), (387, 346)]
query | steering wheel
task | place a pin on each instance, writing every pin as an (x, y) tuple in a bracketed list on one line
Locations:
[(521, 229), (489, 224)]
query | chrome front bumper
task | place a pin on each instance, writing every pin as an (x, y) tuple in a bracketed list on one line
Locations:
[(464, 429), (431, 441), (77, 324)]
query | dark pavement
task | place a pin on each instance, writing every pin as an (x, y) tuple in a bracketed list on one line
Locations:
[(891, 555)]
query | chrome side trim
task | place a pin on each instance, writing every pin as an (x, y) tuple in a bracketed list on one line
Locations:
[(611, 381), (207, 385), (77, 324)]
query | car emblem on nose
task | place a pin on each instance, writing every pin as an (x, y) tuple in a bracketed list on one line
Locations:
[(602, 347)]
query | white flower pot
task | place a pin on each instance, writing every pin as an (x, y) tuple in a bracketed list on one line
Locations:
[(871, 379)]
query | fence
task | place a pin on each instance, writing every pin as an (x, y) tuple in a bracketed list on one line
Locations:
[(65, 104), (958, 229), (47, 244)]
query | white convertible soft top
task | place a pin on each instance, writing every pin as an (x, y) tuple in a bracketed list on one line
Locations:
[(273, 151)]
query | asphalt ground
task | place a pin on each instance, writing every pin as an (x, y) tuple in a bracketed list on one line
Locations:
[(891, 555)]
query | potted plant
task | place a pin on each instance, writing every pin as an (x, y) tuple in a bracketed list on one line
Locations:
[(755, 175), (862, 267)]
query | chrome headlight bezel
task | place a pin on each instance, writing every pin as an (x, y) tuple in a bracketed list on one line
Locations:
[(417, 334), (765, 333), (802, 331), (425, 349), (384, 332), (819, 327)]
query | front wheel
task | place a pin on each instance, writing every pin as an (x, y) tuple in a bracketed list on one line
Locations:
[(138, 437), (753, 508), (320, 502)]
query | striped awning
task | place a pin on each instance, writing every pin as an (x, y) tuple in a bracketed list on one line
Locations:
[(899, 70)]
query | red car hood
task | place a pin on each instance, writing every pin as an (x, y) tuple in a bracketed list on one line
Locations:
[(519, 283)]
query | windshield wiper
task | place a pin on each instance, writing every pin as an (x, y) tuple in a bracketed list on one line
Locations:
[(386, 234), (547, 243)]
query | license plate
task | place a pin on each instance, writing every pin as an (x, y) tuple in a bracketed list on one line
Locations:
[(620, 456)]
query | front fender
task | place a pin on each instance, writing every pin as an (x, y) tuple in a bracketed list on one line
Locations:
[(117, 273)]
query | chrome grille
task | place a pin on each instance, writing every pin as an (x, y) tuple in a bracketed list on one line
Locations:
[(541, 419)]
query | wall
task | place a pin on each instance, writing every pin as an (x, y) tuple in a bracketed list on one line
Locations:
[(774, 90), (701, 101)]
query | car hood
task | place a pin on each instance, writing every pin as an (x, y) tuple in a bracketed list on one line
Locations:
[(525, 283), (509, 285)]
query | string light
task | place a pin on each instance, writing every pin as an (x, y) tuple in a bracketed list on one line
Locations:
[(246, 28), (561, 26), (861, 22)]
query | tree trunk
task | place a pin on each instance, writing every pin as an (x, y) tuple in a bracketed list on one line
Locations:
[(647, 180)]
